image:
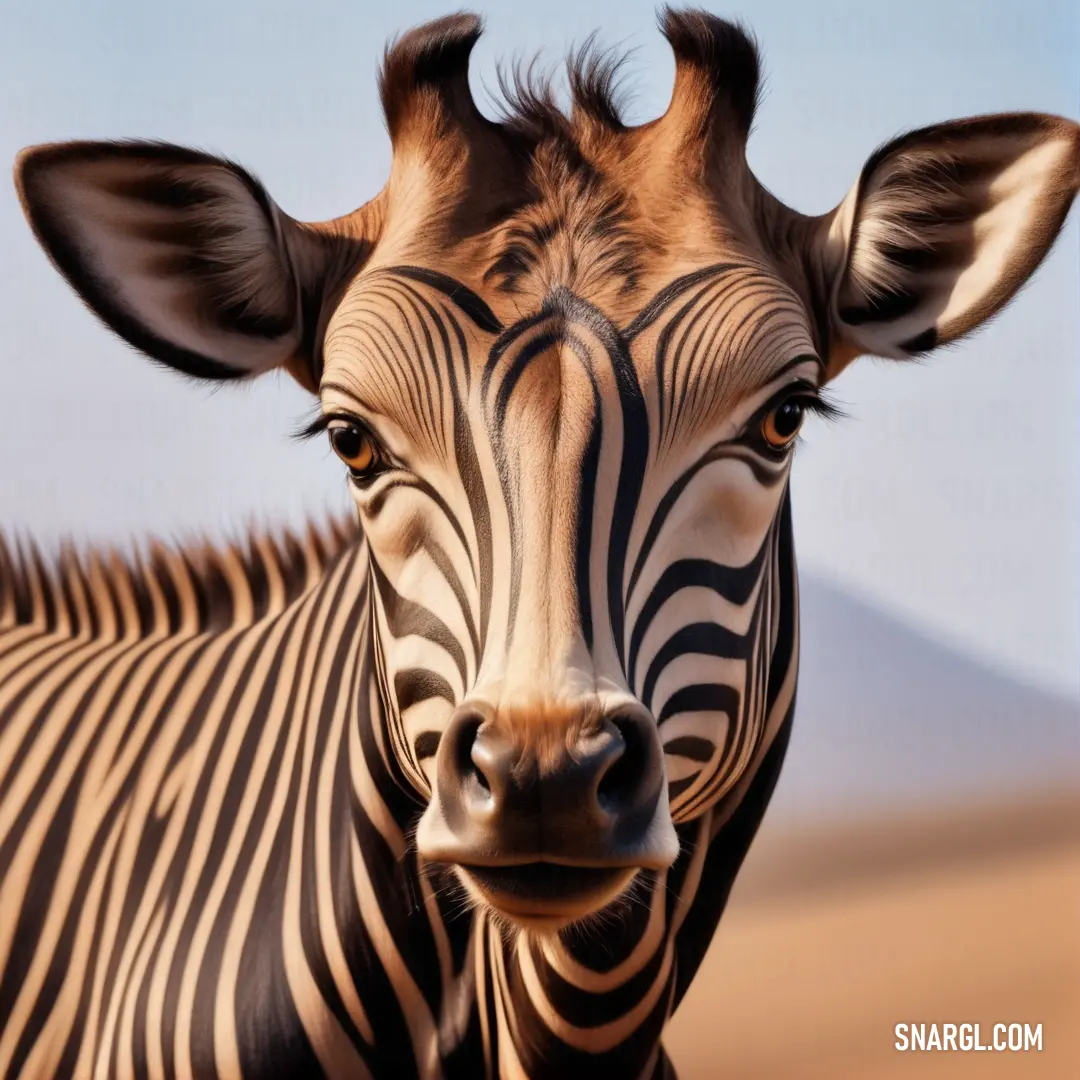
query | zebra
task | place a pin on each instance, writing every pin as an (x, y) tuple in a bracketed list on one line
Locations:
[(459, 787)]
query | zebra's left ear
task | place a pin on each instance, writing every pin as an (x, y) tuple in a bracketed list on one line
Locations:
[(942, 229)]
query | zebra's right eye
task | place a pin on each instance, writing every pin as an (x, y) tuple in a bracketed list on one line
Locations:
[(354, 446), (781, 424)]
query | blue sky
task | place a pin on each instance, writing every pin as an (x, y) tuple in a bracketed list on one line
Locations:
[(951, 496)]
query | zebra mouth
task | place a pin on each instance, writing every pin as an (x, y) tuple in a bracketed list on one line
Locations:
[(548, 892)]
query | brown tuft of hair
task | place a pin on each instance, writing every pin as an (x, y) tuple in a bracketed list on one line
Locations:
[(721, 55), (434, 55), (725, 56)]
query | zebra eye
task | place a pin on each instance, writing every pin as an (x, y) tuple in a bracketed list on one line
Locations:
[(781, 424), (354, 446)]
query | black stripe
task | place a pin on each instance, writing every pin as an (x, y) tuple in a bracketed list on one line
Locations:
[(463, 297)]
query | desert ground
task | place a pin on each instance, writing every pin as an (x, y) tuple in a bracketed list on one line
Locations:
[(835, 935)]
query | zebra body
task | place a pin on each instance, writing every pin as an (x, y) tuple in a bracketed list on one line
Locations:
[(209, 849), (459, 790)]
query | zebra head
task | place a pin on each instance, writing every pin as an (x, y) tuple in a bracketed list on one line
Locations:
[(564, 363)]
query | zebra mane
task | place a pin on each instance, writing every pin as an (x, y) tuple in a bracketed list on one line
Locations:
[(159, 589)]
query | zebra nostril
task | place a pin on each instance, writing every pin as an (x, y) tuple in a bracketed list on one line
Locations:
[(471, 764), (623, 779), (491, 766), (466, 729), (478, 777)]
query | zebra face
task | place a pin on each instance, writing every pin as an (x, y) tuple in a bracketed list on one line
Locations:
[(577, 538), (564, 361)]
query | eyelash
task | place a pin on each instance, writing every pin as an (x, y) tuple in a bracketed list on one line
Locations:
[(319, 425), (810, 398)]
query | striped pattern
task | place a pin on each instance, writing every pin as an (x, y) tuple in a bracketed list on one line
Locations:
[(220, 770), (215, 760)]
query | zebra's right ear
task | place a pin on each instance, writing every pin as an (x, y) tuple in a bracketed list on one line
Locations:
[(183, 254)]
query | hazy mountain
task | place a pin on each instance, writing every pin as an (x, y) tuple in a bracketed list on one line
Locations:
[(888, 720)]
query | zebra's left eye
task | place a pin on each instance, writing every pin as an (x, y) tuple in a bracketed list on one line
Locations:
[(781, 424), (354, 446)]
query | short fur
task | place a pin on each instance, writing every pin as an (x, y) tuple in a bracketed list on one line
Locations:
[(560, 652)]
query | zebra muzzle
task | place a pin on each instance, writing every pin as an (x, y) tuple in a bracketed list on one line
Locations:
[(553, 821)]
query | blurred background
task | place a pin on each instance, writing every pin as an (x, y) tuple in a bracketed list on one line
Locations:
[(921, 859)]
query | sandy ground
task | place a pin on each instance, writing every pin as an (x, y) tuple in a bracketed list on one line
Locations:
[(833, 938)]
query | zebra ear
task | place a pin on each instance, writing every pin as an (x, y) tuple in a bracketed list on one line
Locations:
[(184, 255), (943, 228)]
